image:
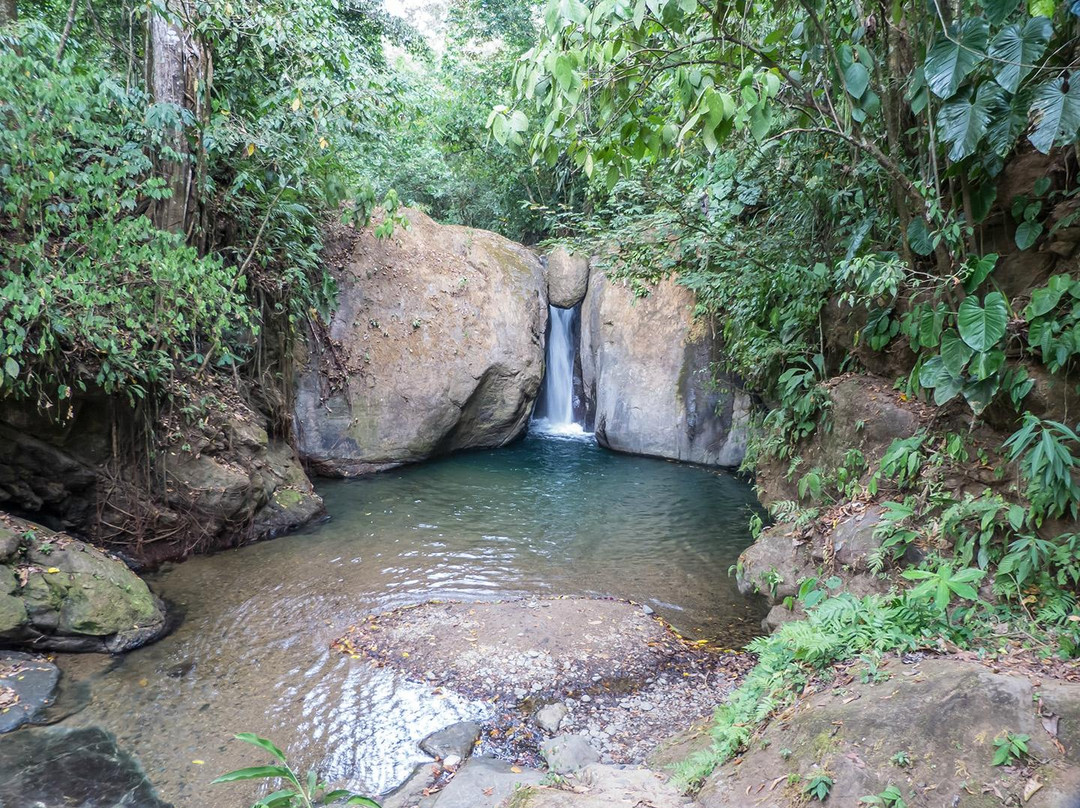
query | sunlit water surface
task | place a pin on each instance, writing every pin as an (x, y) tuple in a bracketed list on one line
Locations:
[(550, 515)]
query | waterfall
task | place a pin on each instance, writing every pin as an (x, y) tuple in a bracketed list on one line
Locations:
[(555, 405)]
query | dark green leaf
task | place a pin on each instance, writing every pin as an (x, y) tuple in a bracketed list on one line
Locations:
[(1056, 107), (1017, 48), (951, 59), (963, 122), (856, 80), (955, 353), (1027, 234), (919, 237), (998, 10), (982, 327)]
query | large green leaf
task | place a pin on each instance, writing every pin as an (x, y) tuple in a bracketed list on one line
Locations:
[(955, 353), (982, 327), (1008, 123), (256, 773), (998, 10), (951, 58), (856, 79), (987, 363), (1027, 233), (962, 121), (1016, 48), (919, 237), (1056, 107), (979, 394), (1044, 300)]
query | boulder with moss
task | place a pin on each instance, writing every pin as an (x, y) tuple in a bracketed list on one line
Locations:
[(61, 594)]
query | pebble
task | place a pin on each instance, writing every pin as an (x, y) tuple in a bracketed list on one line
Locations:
[(586, 698), (646, 706), (451, 762), (520, 693), (647, 610)]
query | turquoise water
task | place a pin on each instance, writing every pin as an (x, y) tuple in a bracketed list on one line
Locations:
[(548, 515)]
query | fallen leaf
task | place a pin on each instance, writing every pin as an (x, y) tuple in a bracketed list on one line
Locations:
[(1031, 787)]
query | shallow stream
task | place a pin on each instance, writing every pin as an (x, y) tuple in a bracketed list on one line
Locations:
[(547, 516)]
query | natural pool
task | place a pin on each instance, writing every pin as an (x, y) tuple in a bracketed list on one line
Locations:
[(549, 515)]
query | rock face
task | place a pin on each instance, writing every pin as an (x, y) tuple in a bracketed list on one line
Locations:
[(436, 345), (943, 715), (60, 594), (567, 278), (647, 368), (211, 484), (81, 768)]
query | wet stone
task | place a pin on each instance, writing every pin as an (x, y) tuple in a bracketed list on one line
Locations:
[(27, 686), (81, 768), (457, 740)]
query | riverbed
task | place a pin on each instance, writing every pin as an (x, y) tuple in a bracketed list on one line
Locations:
[(549, 515)]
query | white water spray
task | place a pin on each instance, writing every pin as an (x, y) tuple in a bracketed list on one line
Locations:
[(555, 410)]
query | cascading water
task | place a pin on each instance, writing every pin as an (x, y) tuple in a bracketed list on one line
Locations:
[(555, 406)]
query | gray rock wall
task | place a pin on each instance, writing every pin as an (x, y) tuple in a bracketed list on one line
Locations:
[(647, 369), (436, 345)]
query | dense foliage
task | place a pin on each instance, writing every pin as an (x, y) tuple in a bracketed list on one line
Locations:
[(845, 186), (291, 114)]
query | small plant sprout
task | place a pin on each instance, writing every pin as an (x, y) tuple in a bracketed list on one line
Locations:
[(785, 754), (889, 798), (1010, 749), (296, 793), (901, 759), (819, 787)]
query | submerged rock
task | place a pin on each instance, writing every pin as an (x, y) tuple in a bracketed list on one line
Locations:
[(27, 686), (436, 345), (648, 371), (550, 717), (61, 594), (80, 768)]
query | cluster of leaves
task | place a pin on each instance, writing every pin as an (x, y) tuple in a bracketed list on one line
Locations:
[(838, 627), (90, 292), (296, 793)]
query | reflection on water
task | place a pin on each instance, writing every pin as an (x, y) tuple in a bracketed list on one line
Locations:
[(547, 516)]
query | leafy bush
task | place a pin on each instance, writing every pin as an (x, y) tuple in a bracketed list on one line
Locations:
[(90, 292)]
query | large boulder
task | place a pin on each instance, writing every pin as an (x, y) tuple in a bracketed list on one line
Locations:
[(436, 345), (567, 277), (929, 731), (648, 371), (60, 594)]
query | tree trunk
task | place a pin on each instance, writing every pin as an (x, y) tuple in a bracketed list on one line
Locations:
[(174, 65), (8, 12)]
